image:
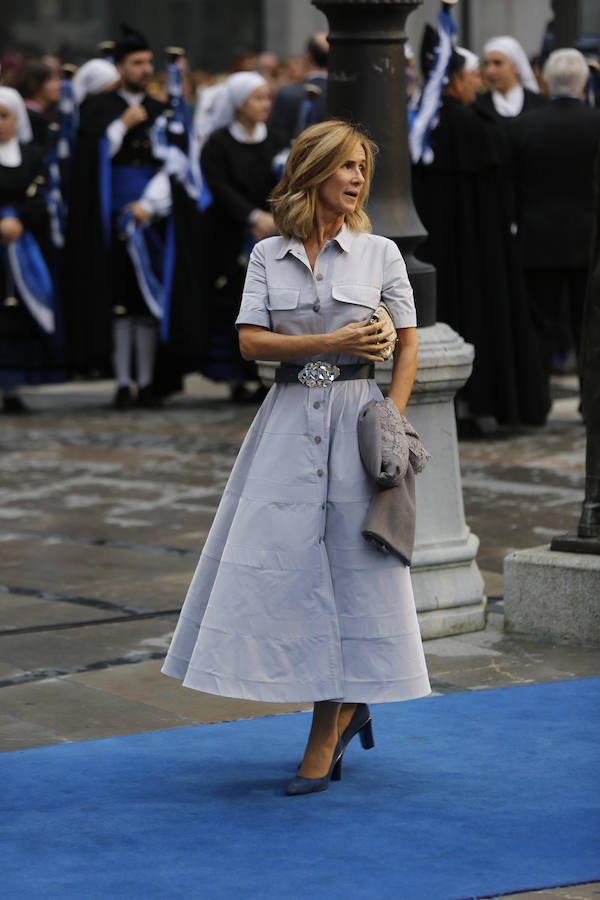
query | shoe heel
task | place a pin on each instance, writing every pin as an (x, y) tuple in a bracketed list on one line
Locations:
[(366, 736), (336, 775)]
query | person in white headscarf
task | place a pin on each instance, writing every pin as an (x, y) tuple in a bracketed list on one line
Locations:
[(237, 163), (513, 88), (94, 77), (29, 352)]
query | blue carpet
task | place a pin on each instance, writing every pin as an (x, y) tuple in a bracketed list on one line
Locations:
[(465, 795)]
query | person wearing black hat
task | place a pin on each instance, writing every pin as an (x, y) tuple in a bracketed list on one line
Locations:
[(461, 197), (109, 313)]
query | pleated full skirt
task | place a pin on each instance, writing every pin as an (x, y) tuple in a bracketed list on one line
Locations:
[(289, 603)]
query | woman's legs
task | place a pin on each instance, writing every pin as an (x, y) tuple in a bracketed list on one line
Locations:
[(346, 713), (321, 740)]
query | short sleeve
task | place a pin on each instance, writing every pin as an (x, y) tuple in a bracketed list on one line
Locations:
[(253, 310), (396, 289)]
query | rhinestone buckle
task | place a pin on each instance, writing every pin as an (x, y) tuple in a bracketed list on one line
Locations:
[(318, 374)]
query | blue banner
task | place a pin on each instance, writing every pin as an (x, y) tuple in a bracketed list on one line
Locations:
[(426, 116), (140, 254), (31, 276)]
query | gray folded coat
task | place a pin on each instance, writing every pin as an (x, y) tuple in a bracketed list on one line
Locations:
[(392, 454)]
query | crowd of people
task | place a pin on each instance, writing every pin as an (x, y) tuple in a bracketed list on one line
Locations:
[(130, 202)]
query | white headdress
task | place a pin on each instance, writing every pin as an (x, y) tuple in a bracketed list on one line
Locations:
[(471, 59), (218, 103), (511, 48), (92, 76), (11, 98)]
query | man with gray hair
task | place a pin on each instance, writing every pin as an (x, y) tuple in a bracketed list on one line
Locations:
[(553, 151)]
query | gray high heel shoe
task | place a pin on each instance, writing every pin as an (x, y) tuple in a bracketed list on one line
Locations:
[(301, 785)]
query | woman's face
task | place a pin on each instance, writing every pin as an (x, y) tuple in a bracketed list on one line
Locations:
[(8, 126), (499, 73), (338, 194), (256, 107)]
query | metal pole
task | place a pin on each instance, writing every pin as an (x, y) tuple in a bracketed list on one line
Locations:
[(366, 85)]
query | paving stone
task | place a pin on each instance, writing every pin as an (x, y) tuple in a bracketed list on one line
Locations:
[(126, 577), (145, 684), (89, 645), (18, 611), (67, 711), (577, 892), (17, 734)]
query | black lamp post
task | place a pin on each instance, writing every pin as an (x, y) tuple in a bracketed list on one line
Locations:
[(367, 85)]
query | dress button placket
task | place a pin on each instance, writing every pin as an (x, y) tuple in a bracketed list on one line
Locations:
[(317, 430)]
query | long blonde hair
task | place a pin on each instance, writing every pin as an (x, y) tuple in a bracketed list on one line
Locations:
[(315, 155)]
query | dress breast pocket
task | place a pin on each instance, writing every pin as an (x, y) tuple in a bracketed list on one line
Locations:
[(282, 299), (364, 297)]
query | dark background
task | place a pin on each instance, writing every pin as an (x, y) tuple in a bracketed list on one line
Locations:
[(221, 29)]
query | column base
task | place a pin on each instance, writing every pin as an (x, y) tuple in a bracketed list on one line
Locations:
[(552, 594)]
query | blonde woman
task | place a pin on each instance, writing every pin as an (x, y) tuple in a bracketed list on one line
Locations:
[(289, 603)]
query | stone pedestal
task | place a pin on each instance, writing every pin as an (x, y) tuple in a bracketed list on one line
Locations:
[(448, 586), (552, 594)]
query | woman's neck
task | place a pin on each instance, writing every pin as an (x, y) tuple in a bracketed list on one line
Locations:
[(509, 89), (247, 124), (325, 228)]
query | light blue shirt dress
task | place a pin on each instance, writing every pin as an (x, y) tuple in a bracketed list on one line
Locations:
[(289, 602)]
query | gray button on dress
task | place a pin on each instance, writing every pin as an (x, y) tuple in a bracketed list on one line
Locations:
[(289, 603)]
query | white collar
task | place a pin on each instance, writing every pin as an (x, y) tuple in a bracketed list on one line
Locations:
[(131, 99), (511, 103), (239, 133), (10, 153), (343, 239)]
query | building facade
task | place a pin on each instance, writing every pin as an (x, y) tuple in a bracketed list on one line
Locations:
[(214, 34)]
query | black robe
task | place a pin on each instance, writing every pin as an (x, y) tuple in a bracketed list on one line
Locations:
[(485, 104), (464, 203), (97, 277), (27, 354), (240, 178)]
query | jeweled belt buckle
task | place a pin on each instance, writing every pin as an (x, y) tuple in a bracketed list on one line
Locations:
[(318, 374)]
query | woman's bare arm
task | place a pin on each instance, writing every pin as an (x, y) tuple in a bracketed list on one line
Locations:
[(356, 339), (405, 367)]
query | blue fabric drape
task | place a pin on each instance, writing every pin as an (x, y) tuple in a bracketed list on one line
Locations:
[(31, 276)]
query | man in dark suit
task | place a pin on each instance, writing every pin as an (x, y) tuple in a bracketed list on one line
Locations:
[(553, 151), (297, 106)]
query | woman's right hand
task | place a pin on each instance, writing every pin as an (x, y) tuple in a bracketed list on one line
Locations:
[(11, 229), (362, 339)]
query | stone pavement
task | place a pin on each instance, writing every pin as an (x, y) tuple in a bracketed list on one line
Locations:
[(103, 514)]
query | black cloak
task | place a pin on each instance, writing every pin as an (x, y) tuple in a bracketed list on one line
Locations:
[(87, 271), (463, 199)]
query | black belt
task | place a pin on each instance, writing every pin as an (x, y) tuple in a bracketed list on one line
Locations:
[(287, 372)]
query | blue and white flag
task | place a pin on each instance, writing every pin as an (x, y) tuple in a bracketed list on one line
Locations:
[(151, 288), (426, 117), (31, 277), (185, 167), (54, 200)]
